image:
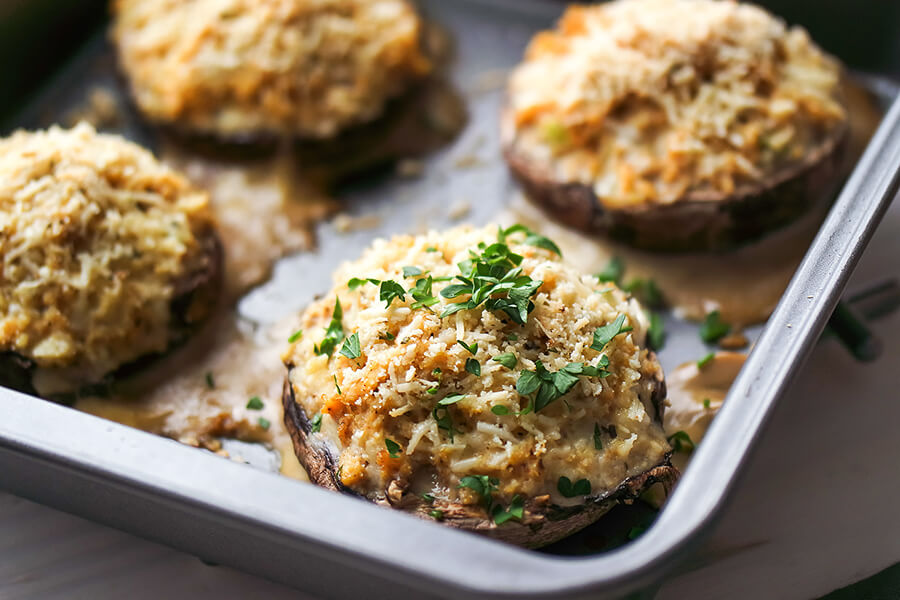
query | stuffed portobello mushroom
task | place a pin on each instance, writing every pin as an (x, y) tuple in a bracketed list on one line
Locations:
[(108, 257), (474, 378), (675, 125), (245, 69)]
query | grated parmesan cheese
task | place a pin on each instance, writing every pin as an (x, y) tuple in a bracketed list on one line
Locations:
[(385, 391), (652, 100)]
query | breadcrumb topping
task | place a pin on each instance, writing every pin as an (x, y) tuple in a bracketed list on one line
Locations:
[(652, 100), (410, 359)]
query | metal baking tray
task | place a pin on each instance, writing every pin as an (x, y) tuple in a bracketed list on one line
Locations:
[(338, 546)]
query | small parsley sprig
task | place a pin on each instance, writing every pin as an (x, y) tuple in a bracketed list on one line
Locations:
[(485, 487), (334, 333)]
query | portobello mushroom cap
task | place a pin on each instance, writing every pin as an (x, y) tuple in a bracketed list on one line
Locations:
[(335, 447), (110, 259), (246, 71), (654, 155)]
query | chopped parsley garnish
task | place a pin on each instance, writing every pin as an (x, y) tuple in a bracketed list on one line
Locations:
[(390, 290), (210, 382), (473, 349), (264, 423), (493, 278), (338, 387), (357, 282), (473, 366), (706, 360), (500, 410), (451, 399), (443, 419), (598, 441), (604, 335), (515, 510), (512, 337), (549, 386), (681, 442), (387, 336), (612, 272), (582, 487), (507, 359), (436, 372), (646, 291), (393, 448), (713, 328), (334, 333), (636, 531), (295, 336), (706, 403), (482, 485), (656, 334), (411, 271), (422, 294), (531, 238), (432, 390), (428, 498), (436, 514), (255, 403), (351, 349), (315, 425), (431, 249)]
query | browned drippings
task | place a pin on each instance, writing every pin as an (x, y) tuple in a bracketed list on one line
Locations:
[(696, 394)]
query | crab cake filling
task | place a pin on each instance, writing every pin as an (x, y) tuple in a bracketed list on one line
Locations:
[(649, 101), (297, 67), (476, 366), (98, 239)]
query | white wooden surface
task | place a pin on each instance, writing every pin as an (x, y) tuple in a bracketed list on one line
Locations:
[(816, 510)]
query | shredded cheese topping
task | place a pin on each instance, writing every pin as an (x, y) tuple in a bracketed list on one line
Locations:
[(96, 237), (652, 100), (305, 67), (384, 394)]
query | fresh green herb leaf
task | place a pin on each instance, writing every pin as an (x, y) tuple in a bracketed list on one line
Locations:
[(531, 238), (512, 337), (432, 390), (431, 249), (315, 425), (387, 336), (390, 290), (210, 382), (706, 360), (436, 514), (411, 271), (295, 336), (582, 487), (646, 291), (547, 386), (636, 531), (443, 419), (428, 498), (482, 485), (264, 423), (604, 335), (507, 359), (473, 349), (656, 333), (528, 383), (393, 448), (516, 510), (681, 442), (351, 348), (436, 372), (334, 333), (473, 366), (612, 272), (255, 403), (422, 294), (451, 399), (598, 441), (356, 282), (713, 328), (706, 403), (336, 385), (500, 410)]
